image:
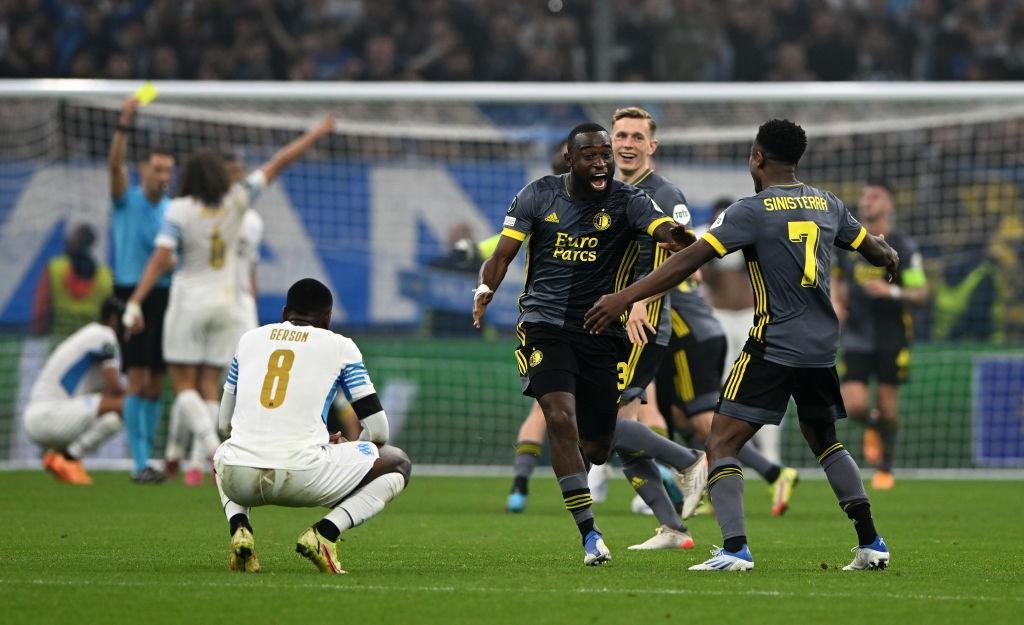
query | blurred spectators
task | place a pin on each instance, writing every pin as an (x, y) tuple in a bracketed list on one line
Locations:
[(655, 40)]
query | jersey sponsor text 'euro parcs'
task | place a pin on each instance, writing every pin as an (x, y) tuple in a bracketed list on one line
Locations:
[(579, 248)]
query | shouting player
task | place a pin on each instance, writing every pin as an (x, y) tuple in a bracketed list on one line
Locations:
[(281, 384), (582, 229), (786, 232), (77, 400), (876, 332), (246, 319), (202, 226)]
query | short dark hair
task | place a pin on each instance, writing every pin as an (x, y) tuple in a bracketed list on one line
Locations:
[(205, 177), (882, 183), (309, 297), (111, 306), (158, 150), (581, 129), (782, 140)]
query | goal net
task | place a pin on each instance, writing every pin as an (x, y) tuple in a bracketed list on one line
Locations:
[(388, 210)]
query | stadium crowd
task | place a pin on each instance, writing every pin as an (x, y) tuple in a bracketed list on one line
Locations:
[(659, 40)]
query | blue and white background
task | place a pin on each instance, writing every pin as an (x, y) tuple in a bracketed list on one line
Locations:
[(355, 225)]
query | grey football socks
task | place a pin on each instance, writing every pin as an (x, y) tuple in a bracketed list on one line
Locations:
[(844, 478), (644, 477), (725, 486), (576, 495), (527, 454), (633, 437)]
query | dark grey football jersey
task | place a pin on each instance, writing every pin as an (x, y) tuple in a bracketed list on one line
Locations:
[(786, 233), (579, 248), (878, 323), (671, 200), (695, 313)]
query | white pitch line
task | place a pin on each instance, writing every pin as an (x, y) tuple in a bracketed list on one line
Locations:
[(776, 594)]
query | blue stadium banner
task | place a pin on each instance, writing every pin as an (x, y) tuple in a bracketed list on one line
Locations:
[(998, 408)]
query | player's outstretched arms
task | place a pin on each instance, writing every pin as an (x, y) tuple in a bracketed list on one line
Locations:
[(879, 253), (289, 153), (677, 268), (118, 148), (492, 272)]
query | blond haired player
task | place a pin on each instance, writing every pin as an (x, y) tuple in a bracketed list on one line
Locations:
[(279, 389)]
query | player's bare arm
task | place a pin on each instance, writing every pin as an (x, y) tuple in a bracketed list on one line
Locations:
[(112, 386), (119, 147), (673, 237), (160, 262), (492, 272), (879, 253), (289, 153), (673, 271)]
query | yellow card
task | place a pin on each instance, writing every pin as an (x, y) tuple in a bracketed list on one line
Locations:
[(146, 93)]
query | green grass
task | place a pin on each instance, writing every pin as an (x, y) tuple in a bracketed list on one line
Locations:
[(445, 553)]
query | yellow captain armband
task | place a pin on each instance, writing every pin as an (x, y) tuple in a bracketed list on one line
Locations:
[(513, 234)]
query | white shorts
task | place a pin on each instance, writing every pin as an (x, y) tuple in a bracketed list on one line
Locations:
[(246, 317), (327, 481), (55, 424), (199, 336)]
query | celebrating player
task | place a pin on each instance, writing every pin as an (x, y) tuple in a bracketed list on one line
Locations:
[(876, 329), (77, 400), (203, 226), (277, 450), (583, 227), (138, 211), (785, 231), (634, 145), (246, 319)]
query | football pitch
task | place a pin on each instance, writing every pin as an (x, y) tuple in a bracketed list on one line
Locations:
[(444, 552)]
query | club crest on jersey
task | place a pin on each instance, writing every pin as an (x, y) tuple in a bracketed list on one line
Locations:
[(535, 357), (602, 220)]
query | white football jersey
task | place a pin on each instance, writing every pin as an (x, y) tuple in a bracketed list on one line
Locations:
[(75, 367), (249, 251), (284, 378), (206, 239)]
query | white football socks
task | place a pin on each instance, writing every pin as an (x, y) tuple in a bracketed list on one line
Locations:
[(366, 502)]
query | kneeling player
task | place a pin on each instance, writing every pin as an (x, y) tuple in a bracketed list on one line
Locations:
[(279, 452), (77, 401)]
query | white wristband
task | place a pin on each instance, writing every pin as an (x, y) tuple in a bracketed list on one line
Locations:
[(132, 313), (895, 291), (483, 289)]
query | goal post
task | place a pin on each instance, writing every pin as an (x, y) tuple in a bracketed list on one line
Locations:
[(382, 212)]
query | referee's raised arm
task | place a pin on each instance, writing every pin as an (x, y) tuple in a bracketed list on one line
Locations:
[(118, 148)]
